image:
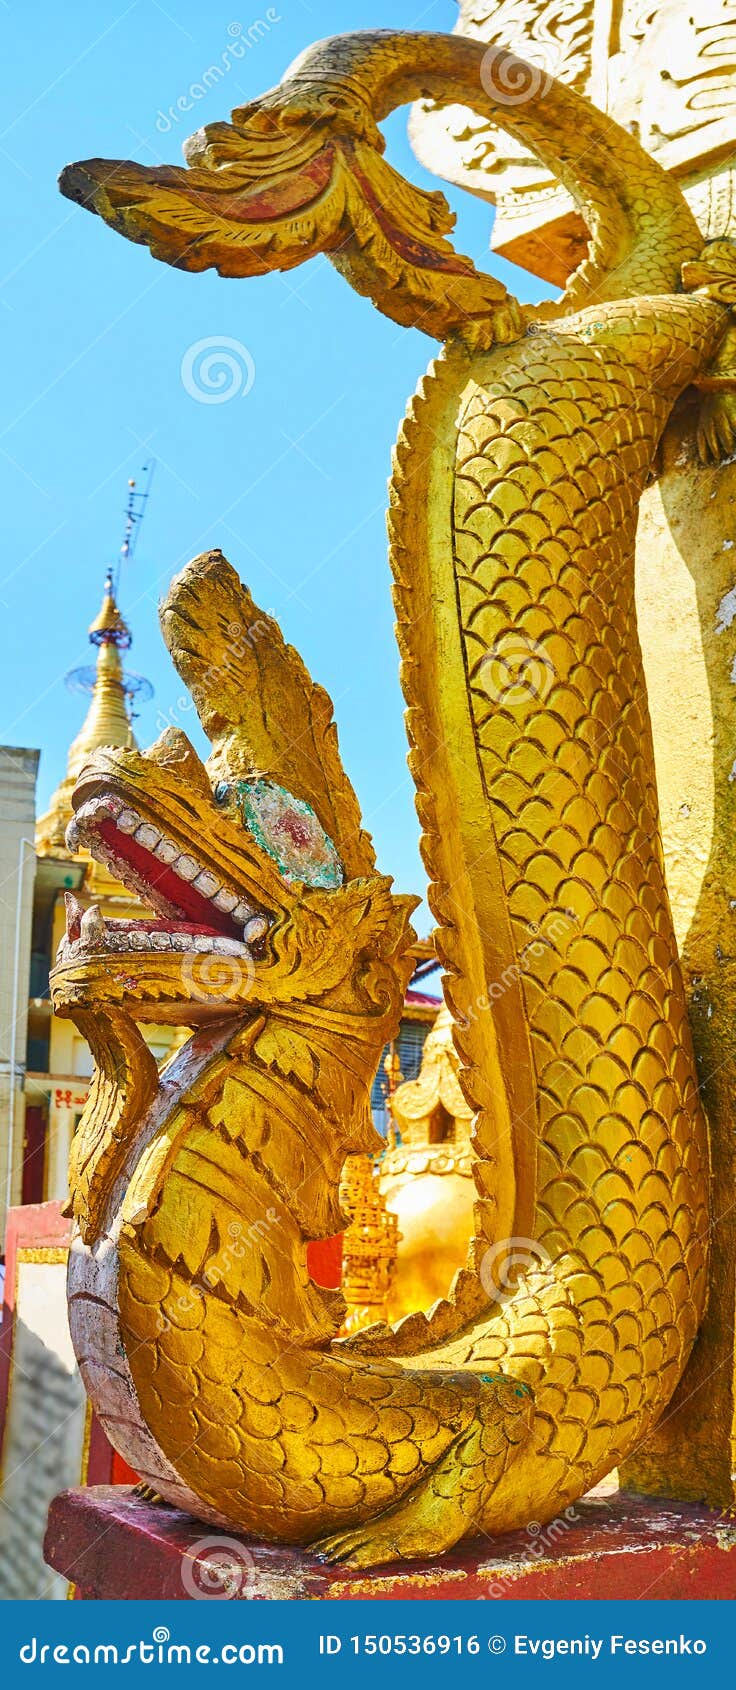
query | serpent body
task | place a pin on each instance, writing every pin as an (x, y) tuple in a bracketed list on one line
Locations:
[(513, 516), (543, 527)]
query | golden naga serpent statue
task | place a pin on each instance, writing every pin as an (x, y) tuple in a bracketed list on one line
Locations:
[(207, 1351)]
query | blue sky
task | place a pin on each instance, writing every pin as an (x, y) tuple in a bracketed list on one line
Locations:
[(289, 479)]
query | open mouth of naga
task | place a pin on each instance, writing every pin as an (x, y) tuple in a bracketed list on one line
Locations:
[(196, 910), (220, 868)]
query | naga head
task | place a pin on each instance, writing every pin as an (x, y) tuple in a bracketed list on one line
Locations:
[(301, 171), (266, 908), (261, 883)]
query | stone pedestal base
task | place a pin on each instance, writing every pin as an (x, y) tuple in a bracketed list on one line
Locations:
[(112, 1545)]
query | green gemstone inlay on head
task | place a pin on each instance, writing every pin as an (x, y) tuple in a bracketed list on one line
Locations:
[(288, 829)]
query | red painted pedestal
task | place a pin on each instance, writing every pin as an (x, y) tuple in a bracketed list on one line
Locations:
[(110, 1544)]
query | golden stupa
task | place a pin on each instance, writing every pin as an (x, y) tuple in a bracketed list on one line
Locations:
[(425, 1179), (107, 721)]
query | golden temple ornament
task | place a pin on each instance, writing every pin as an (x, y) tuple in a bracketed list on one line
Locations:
[(211, 1357), (369, 1246), (426, 1178)]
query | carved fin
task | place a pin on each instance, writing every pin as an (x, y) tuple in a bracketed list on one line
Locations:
[(256, 700)]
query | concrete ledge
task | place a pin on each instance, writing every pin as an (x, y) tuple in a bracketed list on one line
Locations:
[(112, 1545)]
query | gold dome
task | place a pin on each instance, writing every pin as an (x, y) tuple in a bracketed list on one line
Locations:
[(426, 1181)]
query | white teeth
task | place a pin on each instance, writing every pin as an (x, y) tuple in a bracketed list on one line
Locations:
[(107, 805), (92, 926), (255, 929), (114, 941), (147, 836), (89, 928), (104, 806), (186, 868), (85, 827), (225, 900), (206, 883), (74, 913), (166, 852)]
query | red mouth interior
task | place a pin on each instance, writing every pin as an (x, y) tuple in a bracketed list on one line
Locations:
[(199, 913)]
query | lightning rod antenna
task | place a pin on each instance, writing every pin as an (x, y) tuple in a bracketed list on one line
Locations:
[(135, 511)]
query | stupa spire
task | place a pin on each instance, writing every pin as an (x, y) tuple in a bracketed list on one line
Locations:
[(107, 721)]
